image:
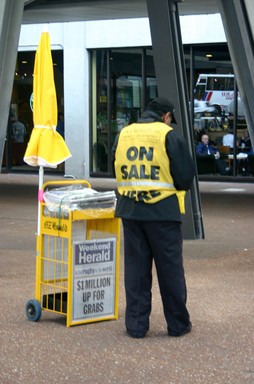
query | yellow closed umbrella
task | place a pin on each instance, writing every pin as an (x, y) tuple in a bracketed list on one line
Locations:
[(46, 147)]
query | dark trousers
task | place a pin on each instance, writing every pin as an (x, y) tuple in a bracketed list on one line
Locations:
[(221, 166), (161, 242)]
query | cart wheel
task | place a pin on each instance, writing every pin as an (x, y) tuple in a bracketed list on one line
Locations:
[(33, 310)]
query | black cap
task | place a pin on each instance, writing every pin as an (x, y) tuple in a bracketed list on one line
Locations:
[(160, 104)]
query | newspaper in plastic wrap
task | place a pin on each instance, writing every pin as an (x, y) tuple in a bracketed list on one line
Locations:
[(59, 201)]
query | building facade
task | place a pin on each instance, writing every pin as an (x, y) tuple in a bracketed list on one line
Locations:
[(105, 76)]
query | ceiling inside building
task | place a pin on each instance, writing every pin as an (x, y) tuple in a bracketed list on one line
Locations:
[(41, 11)]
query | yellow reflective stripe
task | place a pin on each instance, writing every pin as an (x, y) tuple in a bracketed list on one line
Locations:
[(144, 183)]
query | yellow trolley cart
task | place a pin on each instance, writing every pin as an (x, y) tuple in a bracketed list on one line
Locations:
[(77, 263)]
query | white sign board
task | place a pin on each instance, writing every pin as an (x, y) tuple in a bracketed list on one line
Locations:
[(94, 278)]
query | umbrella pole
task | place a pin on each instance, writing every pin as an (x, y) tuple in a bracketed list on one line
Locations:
[(40, 197)]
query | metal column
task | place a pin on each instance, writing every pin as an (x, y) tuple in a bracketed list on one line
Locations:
[(11, 12), (237, 18), (172, 84)]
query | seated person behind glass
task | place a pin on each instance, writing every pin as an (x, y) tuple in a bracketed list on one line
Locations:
[(245, 141), (228, 139), (205, 148), (214, 124)]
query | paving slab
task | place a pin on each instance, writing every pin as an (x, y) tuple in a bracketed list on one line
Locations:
[(220, 279)]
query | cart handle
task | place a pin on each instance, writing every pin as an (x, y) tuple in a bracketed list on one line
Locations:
[(60, 183)]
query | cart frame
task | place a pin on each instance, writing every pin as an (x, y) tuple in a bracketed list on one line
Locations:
[(55, 265)]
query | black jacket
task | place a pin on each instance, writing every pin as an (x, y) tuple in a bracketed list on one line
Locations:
[(182, 170)]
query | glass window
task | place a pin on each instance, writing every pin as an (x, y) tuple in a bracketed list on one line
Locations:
[(100, 110), (21, 105), (126, 87), (124, 81), (212, 110), (151, 82), (222, 83), (117, 93)]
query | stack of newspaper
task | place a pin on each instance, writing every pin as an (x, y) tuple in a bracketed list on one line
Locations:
[(78, 197)]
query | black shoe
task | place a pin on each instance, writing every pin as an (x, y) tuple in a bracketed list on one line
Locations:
[(136, 335), (179, 334)]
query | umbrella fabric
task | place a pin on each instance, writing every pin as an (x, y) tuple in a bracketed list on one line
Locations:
[(46, 147)]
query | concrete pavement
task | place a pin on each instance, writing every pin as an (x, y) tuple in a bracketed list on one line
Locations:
[(220, 280)]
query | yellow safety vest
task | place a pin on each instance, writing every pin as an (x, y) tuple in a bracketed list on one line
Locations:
[(142, 165)]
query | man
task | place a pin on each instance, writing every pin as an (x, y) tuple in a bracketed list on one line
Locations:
[(18, 135), (18, 131), (215, 124), (228, 139), (153, 169), (60, 124), (204, 149), (245, 142)]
